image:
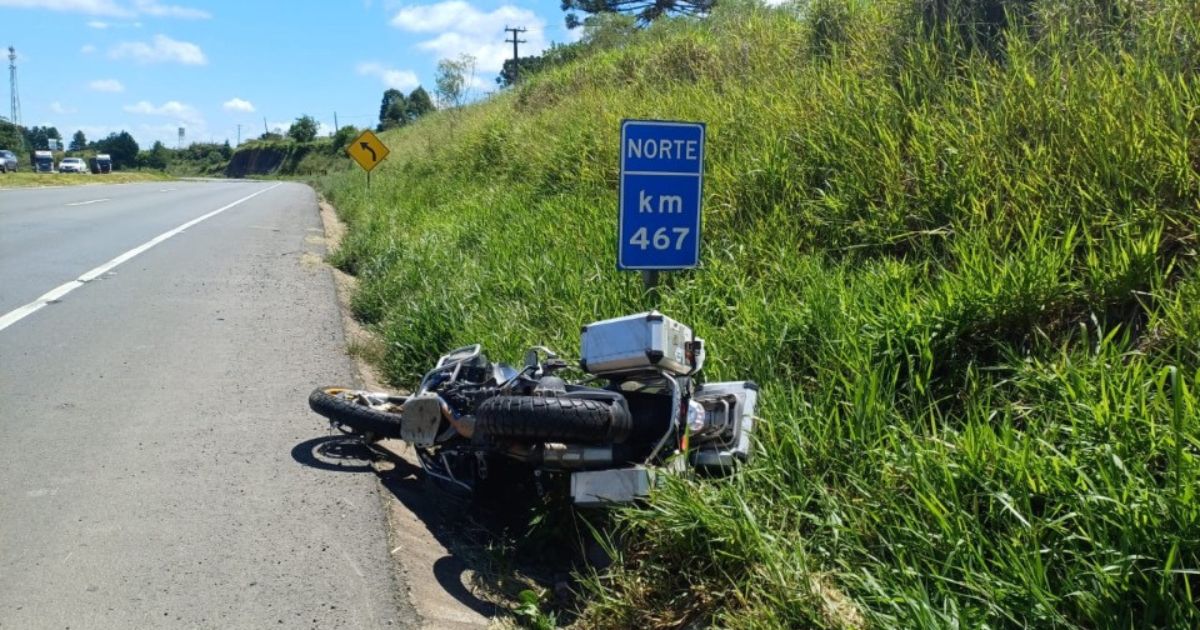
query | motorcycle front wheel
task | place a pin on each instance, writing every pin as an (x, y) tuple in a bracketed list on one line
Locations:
[(340, 404)]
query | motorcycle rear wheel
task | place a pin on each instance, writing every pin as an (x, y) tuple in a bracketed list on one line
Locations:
[(552, 419), (335, 404)]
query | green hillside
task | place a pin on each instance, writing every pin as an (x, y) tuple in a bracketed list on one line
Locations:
[(960, 260)]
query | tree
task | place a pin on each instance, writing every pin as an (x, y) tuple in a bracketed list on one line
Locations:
[(645, 11), (528, 66), (122, 147), (37, 138), (419, 103), (608, 30), (393, 109), (78, 141), (453, 78), (11, 137), (304, 129), (397, 112), (343, 137), (158, 156), (559, 54)]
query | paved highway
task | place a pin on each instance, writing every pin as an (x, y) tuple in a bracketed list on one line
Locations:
[(153, 386)]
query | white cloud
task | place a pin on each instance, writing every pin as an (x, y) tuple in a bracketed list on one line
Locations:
[(162, 49), (59, 108), (463, 28), (151, 7), (102, 25), (110, 8), (87, 49), (168, 134), (238, 105), (481, 84), (170, 109), (146, 134), (403, 80), (89, 7), (106, 85)]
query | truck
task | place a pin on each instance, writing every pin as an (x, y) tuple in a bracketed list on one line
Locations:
[(101, 163), (43, 162)]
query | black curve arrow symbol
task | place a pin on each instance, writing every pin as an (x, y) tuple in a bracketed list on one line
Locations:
[(367, 147)]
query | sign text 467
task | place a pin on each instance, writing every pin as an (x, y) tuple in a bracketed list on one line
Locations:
[(661, 240)]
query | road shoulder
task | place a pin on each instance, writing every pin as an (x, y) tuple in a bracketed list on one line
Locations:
[(439, 586)]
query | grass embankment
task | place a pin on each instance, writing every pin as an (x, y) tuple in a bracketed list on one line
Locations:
[(34, 180), (967, 282)]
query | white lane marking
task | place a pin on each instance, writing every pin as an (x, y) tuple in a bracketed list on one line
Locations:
[(84, 203), (166, 189), (57, 293)]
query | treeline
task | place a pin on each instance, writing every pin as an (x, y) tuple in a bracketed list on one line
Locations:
[(23, 141)]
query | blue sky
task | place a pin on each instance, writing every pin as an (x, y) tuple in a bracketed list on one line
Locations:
[(151, 66)]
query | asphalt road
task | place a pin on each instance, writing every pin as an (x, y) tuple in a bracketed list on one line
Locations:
[(148, 416)]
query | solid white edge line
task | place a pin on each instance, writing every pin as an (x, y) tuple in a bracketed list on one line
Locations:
[(57, 293)]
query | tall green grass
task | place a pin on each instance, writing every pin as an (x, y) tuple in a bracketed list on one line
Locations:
[(963, 270)]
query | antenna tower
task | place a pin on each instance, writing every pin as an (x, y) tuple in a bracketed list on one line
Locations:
[(15, 113)]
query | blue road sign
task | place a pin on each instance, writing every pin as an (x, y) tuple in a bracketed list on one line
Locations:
[(662, 180)]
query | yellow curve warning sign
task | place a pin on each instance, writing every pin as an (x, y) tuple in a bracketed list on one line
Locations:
[(368, 150)]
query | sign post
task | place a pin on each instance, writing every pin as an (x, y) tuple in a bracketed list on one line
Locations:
[(368, 150), (662, 185)]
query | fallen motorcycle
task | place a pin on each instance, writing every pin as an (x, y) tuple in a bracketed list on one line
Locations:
[(639, 408)]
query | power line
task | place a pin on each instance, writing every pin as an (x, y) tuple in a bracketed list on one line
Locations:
[(514, 41)]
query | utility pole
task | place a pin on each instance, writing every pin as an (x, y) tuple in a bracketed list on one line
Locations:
[(514, 41), (15, 105), (239, 142), (265, 130), (335, 125)]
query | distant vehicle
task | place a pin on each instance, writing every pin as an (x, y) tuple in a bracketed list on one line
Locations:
[(102, 163), (72, 165), (43, 162), (8, 161)]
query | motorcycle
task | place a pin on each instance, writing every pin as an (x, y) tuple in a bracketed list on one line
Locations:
[(640, 408)]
